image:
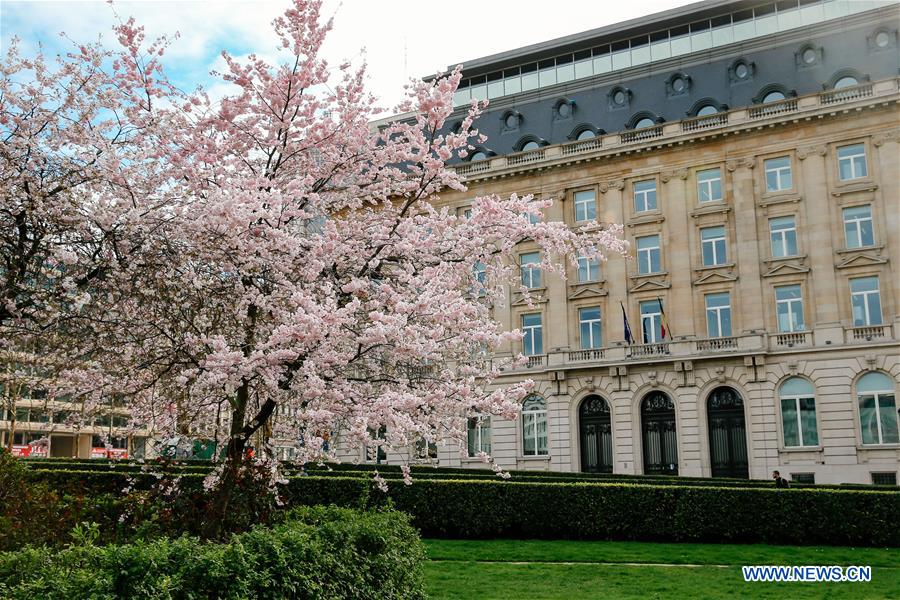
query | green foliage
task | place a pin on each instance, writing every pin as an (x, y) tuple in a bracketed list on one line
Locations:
[(316, 553)]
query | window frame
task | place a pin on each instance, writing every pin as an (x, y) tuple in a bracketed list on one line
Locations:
[(718, 310), (714, 244), (649, 253), (535, 417), (858, 227), (708, 183), (852, 162), (789, 302), (779, 174), (589, 266), (784, 234), (876, 395), (478, 425), (530, 271), (591, 324), (587, 204), (865, 298), (655, 319), (646, 195), (532, 330), (796, 398)]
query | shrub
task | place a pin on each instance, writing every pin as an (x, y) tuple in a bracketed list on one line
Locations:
[(316, 553)]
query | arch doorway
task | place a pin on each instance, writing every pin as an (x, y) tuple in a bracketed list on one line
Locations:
[(595, 427), (727, 434), (660, 444)]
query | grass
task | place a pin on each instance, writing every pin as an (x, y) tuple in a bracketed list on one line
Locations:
[(567, 569)]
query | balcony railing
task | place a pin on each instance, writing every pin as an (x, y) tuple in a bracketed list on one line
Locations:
[(535, 361), (717, 344), (867, 334), (582, 355), (846, 94), (525, 157), (582, 146), (772, 108), (800, 338), (698, 123), (734, 119), (650, 350), (639, 135)]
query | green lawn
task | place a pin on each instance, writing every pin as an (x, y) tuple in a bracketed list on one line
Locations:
[(565, 569)]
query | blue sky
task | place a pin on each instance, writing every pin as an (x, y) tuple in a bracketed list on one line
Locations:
[(399, 39)]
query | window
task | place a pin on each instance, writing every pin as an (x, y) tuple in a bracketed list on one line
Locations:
[(718, 315), (376, 453), (865, 300), (585, 206), (773, 97), (783, 232), (534, 426), (712, 242), (588, 269), (648, 254), (589, 323), (845, 82), (651, 321), (587, 134), (645, 195), (530, 267), (645, 122), (479, 435), (789, 308), (858, 226), (531, 145), (778, 174), (885, 478), (480, 272), (709, 185), (707, 110), (877, 409), (533, 342), (809, 478), (477, 155), (852, 162), (798, 413)]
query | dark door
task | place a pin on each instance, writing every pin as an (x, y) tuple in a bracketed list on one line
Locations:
[(596, 436), (727, 434), (659, 435)]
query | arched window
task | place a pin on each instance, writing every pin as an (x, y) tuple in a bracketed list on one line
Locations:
[(645, 122), (534, 426), (798, 413), (727, 434), (586, 135), (845, 82), (478, 155), (660, 447), (530, 145), (707, 110), (773, 96), (878, 418)]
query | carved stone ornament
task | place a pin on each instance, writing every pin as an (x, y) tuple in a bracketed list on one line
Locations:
[(819, 150), (616, 184), (665, 176), (886, 136), (735, 163)]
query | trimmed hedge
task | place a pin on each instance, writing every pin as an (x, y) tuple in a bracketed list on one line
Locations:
[(318, 553), (489, 509)]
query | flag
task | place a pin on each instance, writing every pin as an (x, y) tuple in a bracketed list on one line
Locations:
[(664, 326), (628, 337)]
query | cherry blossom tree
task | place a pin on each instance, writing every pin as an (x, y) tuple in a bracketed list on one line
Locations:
[(290, 269)]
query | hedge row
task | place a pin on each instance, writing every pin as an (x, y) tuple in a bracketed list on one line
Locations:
[(317, 553), (491, 509), (583, 510)]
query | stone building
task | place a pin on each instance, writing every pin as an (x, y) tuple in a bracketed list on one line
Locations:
[(751, 151)]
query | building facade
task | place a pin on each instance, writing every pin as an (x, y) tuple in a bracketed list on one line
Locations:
[(751, 151)]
